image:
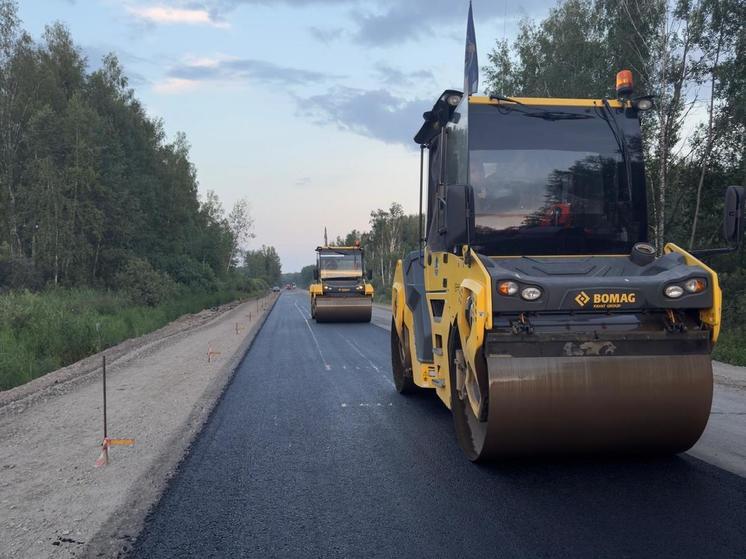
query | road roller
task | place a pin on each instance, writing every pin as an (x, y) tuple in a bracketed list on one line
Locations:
[(341, 291), (536, 307)]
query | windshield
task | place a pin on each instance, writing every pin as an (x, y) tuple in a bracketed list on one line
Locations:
[(552, 182), (340, 264)]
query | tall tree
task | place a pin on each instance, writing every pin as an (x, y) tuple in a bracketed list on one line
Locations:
[(241, 224)]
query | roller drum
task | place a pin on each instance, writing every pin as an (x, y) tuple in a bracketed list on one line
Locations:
[(343, 309), (588, 404)]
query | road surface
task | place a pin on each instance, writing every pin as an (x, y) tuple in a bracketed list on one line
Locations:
[(311, 453)]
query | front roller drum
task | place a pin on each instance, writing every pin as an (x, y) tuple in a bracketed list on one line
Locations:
[(583, 405), (343, 309)]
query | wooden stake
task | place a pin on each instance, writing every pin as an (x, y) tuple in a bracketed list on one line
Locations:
[(103, 368)]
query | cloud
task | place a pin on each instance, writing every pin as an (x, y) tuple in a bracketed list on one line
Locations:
[(326, 35), (398, 78), (371, 113), (416, 19), (171, 86), (196, 71), (388, 22), (232, 69), (169, 15)]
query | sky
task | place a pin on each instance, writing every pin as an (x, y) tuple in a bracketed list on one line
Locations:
[(306, 108)]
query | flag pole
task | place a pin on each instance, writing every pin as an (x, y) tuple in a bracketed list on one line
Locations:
[(471, 63)]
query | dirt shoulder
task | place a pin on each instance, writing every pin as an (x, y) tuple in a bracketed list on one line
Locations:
[(161, 389)]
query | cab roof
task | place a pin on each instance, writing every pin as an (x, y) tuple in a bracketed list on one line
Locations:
[(545, 101), (444, 107), (332, 247)]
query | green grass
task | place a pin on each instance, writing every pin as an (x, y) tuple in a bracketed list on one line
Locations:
[(382, 295), (41, 332), (731, 347)]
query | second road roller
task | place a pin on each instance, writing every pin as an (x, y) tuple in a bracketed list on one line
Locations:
[(537, 309), (341, 291)]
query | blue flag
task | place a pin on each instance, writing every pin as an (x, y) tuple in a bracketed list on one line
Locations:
[(471, 66)]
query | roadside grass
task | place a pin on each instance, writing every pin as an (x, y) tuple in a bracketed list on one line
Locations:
[(731, 346), (41, 332)]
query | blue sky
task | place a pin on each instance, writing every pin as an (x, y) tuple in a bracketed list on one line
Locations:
[(304, 107)]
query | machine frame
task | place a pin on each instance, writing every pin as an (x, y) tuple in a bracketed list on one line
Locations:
[(479, 351)]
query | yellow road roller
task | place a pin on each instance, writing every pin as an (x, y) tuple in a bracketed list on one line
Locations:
[(536, 308), (341, 291)]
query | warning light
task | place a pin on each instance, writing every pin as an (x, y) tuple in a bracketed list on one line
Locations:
[(695, 285), (624, 84), (508, 288)]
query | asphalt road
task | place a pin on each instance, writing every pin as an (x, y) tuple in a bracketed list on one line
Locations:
[(311, 453)]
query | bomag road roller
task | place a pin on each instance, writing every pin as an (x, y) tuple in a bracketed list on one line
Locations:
[(341, 291), (536, 308)]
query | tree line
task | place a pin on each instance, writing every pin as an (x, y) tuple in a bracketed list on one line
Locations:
[(92, 193), (264, 264), (689, 54)]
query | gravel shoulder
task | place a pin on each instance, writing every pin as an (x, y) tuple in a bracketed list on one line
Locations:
[(161, 389)]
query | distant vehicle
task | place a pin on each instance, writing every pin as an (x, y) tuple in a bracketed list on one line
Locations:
[(288, 287), (341, 291), (275, 289)]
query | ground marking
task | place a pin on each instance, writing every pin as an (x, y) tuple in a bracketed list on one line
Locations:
[(302, 312), (328, 368), (367, 405), (361, 354)]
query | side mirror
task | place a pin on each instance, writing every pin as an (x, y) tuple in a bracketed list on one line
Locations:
[(733, 219), (455, 216), (316, 274), (369, 275)]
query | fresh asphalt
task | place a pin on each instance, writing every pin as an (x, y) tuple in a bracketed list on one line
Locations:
[(311, 453)]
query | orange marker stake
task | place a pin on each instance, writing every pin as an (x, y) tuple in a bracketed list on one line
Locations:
[(103, 458), (210, 353), (121, 442)]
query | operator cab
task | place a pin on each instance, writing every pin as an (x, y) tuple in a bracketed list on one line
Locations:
[(339, 262), (546, 176)]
